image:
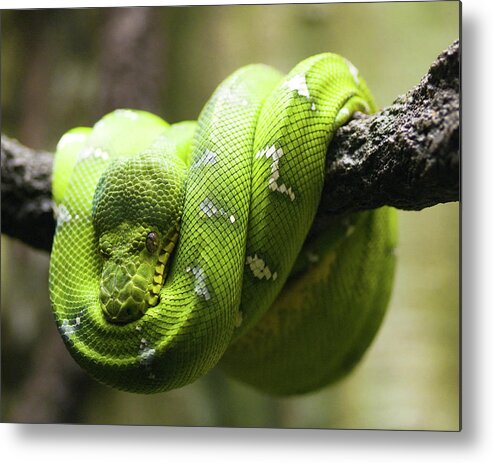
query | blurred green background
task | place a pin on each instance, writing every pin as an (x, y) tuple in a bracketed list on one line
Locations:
[(64, 68)]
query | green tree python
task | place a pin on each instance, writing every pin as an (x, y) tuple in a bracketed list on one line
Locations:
[(181, 247)]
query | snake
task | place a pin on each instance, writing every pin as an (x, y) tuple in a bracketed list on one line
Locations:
[(182, 247)]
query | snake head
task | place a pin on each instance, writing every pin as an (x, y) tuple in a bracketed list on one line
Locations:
[(136, 215)]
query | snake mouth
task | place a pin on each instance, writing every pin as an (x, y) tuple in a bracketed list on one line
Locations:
[(161, 269), (160, 272)]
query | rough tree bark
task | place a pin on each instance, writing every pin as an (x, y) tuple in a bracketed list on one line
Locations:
[(27, 208), (406, 156)]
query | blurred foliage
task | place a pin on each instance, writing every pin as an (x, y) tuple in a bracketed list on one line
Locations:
[(52, 68)]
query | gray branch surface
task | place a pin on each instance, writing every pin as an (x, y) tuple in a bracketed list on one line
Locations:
[(27, 207), (406, 156)]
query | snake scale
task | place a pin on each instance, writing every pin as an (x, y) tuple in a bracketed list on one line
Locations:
[(181, 247)]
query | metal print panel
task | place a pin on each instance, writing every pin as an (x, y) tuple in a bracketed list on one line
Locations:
[(241, 216)]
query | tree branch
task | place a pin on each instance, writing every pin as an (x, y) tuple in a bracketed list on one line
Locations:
[(27, 208), (406, 156)]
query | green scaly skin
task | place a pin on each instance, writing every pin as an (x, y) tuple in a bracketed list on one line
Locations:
[(181, 247)]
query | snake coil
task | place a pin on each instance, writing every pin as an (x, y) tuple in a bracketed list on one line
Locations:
[(179, 247)]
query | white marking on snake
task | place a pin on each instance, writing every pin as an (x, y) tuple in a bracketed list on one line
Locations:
[(208, 158), (342, 116), (276, 154), (344, 112), (234, 93), (127, 113), (70, 138), (211, 210), (62, 214), (200, 282), (66, 329), (298, 84), (259, 268), (354, 71), (91, 152), (146, 355), (313, 108)]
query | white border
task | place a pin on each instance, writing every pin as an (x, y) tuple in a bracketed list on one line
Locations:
[(53, 443), (20, 4)]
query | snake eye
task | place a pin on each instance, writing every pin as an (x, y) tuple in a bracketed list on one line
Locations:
[(152, 242)]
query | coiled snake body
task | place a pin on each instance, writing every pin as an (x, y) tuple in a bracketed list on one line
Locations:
[(180, 247)]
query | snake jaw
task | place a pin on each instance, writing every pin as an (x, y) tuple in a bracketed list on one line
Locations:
[(161, 269), (131, 282)]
